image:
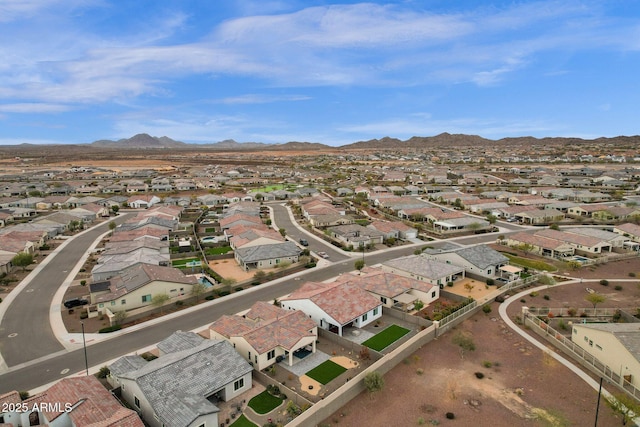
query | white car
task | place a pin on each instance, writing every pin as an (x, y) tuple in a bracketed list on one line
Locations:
[(323, 255)]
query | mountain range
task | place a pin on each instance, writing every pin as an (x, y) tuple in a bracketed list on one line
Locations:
[(145, 141)]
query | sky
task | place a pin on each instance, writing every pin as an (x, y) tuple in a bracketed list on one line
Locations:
[(274, 71)]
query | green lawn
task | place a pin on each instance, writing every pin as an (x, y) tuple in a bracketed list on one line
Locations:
[(217, 251), (243, 422), (530, 263), (264, 402), (326, 371), (385, 338), (183, 262)]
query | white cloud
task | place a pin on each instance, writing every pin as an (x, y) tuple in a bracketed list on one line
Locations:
[(33, 108), (261, 99)]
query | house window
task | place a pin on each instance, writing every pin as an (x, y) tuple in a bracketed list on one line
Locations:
[(123, 301), (271, 354), (489, 271), (383, 300), (598, 347), (173, 290), (136, 402), (238, 384), (364, 317), (101, 305), (591, 343), (375, 311), (146, 298), (113, 303), (586, 339), (433, 294)]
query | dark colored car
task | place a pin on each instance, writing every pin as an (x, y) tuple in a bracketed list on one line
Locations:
[(75, 302), (304, 242)]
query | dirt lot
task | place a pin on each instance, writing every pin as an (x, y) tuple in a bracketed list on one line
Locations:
[(521, 386)]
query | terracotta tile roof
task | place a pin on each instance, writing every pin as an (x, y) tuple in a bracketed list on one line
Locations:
[(93, 405), (344, 302), (629, 228), (11, 397), (384, 283), (572, 238)]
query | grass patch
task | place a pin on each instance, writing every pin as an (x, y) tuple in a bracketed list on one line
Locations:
[(182, 262), (264, 402), (217, 251), (325, 372), (243, 422), (385, 338), (530, 263)]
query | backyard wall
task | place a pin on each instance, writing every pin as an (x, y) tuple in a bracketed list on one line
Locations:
[(264, 379), (406, 317)]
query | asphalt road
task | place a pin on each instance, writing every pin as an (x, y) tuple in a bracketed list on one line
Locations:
[(25, 331)]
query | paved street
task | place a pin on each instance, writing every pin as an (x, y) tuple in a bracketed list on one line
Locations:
[(25, 331)]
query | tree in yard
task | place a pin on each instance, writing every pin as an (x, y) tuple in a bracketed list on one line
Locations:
[(469, 287), (374, 382), (595, 299), (282, 232), (112, 226), (229, 282), (492, 219), (119, 317), (197, 290), (159, 301), (359, 264), (465, 342), (259, 197), (625, 405), (259, 275), (115, 209), (474, 226), (22, 260)]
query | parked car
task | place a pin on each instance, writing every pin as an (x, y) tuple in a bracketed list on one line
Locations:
[(323, 255), (75, 302), (304, 242)]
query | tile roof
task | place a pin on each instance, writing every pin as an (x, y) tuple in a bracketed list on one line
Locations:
[(177, 384), (265, 252), (576, 239), (344, 302), (93, 404), (424, 267), (482, 256), (629, 228), (384, 283)]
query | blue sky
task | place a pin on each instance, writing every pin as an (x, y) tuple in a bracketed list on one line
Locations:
[(200, 71)]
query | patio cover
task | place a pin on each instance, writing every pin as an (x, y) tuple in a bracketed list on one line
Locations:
[(510, 269)]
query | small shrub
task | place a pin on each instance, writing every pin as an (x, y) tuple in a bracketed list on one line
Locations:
[(632, 274), (618, 288), (490, 282), (547, 297), (487, 364), (419, 371), (84, 315), (103, 372), (110, 329), (238, 289), (450, 284), (604, 282), (562, 325), (534, 294), (83, 282), (486, 309), (179, 303), (450, 415), (24, 395), (479, 375), (499, 298), (209, 297), (572, 312), (421, 421), (523, 300)]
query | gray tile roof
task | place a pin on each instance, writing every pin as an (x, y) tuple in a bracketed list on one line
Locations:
[(126, 364), (177, 384), (264, 252), (627, 333), (179, 341), (421, 266), (482, 256)]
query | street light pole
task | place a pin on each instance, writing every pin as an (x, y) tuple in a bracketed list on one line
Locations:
[(84, 344)]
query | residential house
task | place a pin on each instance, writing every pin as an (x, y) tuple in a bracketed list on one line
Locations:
[(479, 260), (143, 201), (393, 290), (427, 270), (540, 245), (71, 402), (182, 386), (614, 345), (356, 235), (396, 230), (267, 334), (135, 287), (267, 256), (584, 244), (334, 306)]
